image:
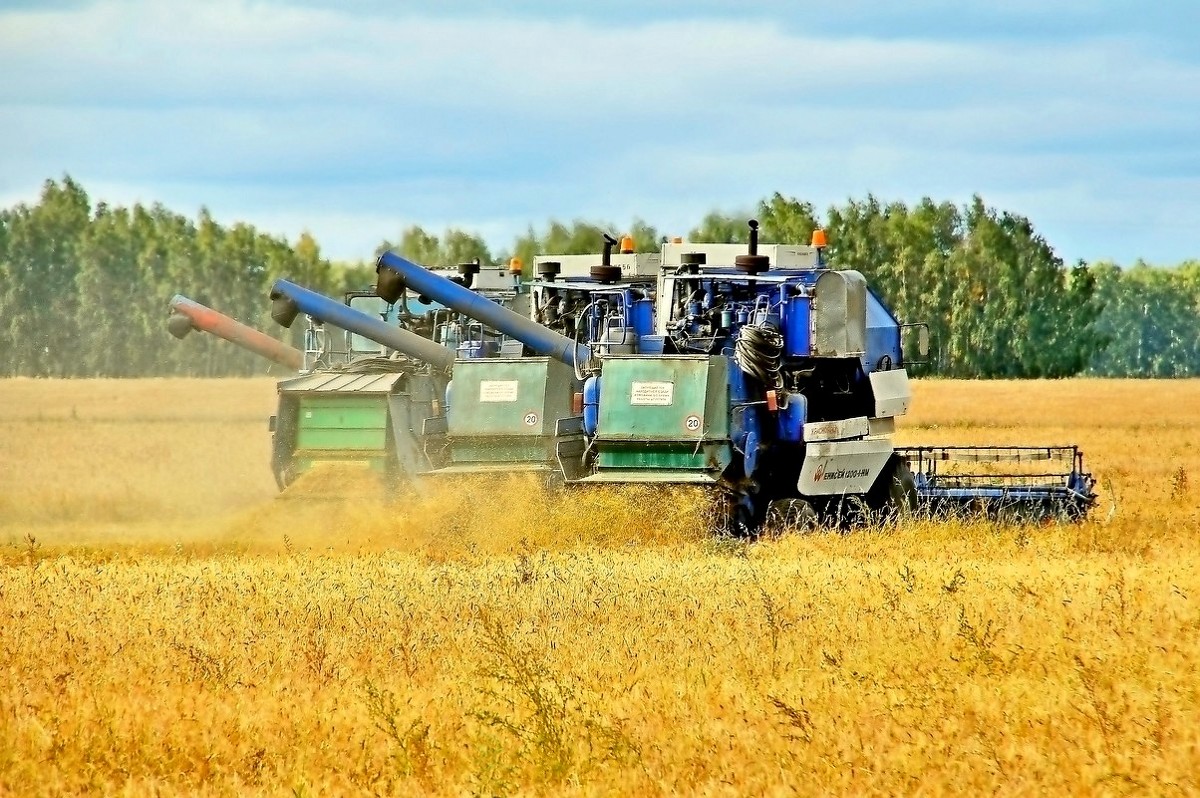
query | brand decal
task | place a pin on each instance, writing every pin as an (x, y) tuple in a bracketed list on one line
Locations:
[(821, 474)]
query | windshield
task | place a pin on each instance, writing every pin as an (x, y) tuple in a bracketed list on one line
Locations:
[(377, 308)]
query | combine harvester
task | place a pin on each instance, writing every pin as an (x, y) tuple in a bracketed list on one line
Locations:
[(769, 377), (501, 413), (368, 403), (510, 413), (780, 380), (187, 315), (367, 409)]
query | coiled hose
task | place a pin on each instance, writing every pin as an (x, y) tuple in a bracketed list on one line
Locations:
[(758, 352)]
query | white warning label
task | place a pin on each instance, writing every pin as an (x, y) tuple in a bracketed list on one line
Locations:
[(498, 390), (659, 394)]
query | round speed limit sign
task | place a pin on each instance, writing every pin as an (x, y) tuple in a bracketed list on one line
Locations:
[(692, 423), (531, 419)]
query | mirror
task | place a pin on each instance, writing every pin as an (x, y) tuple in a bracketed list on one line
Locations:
[(914, 342)]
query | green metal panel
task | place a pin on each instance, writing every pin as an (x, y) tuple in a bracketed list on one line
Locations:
[(668, 398), (342, 422), (358, 439), (373, 462), (521, 397), (409, 409), (504, 450), (644, 457)]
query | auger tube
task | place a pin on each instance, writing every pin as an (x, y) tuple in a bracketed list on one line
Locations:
[(203, 318), (330, 311), (541, 340)]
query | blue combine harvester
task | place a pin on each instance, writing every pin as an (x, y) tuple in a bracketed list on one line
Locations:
[(765, 374), (770, 377)]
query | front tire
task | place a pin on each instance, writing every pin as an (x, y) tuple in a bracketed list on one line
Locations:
[(894, 494)]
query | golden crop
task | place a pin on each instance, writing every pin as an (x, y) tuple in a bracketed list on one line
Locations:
[(168, 626)]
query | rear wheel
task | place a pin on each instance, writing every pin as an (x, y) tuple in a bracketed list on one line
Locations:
[(788, 515)]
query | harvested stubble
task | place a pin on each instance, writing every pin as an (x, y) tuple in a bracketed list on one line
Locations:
[(212, 640)]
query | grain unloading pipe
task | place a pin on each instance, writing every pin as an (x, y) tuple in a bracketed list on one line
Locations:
[(187, 315), (394, 273), (289, 299)]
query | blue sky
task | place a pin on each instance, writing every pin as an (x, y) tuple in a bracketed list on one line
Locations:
[(355, 119)]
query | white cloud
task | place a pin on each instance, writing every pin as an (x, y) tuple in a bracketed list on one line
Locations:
[(352, 125)]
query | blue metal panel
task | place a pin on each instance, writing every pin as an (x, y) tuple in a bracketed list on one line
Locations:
[(591, 404), (883, 335), (792, 418), (651, 344), (797, 332), (475, 350), (643, 317)]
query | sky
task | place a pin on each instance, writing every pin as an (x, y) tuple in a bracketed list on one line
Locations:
[(355, 119)]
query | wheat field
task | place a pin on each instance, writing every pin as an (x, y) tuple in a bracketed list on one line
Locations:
[(169, 627)]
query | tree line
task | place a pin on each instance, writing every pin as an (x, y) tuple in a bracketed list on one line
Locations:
[(84, 287)]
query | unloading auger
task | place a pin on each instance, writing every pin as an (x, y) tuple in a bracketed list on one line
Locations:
[(187, 315)]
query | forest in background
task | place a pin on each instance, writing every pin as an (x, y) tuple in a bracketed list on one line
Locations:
[(84, 286)]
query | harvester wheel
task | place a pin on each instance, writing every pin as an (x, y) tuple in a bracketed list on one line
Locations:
[(791, 515), (282, 478), (894, 493), (744, 511)]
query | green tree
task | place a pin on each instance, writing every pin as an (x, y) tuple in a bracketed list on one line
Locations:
[(719, 228), (420, 247), (459, 246), (1150, 320), (39, 296), (106, 283), (785, 220)]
